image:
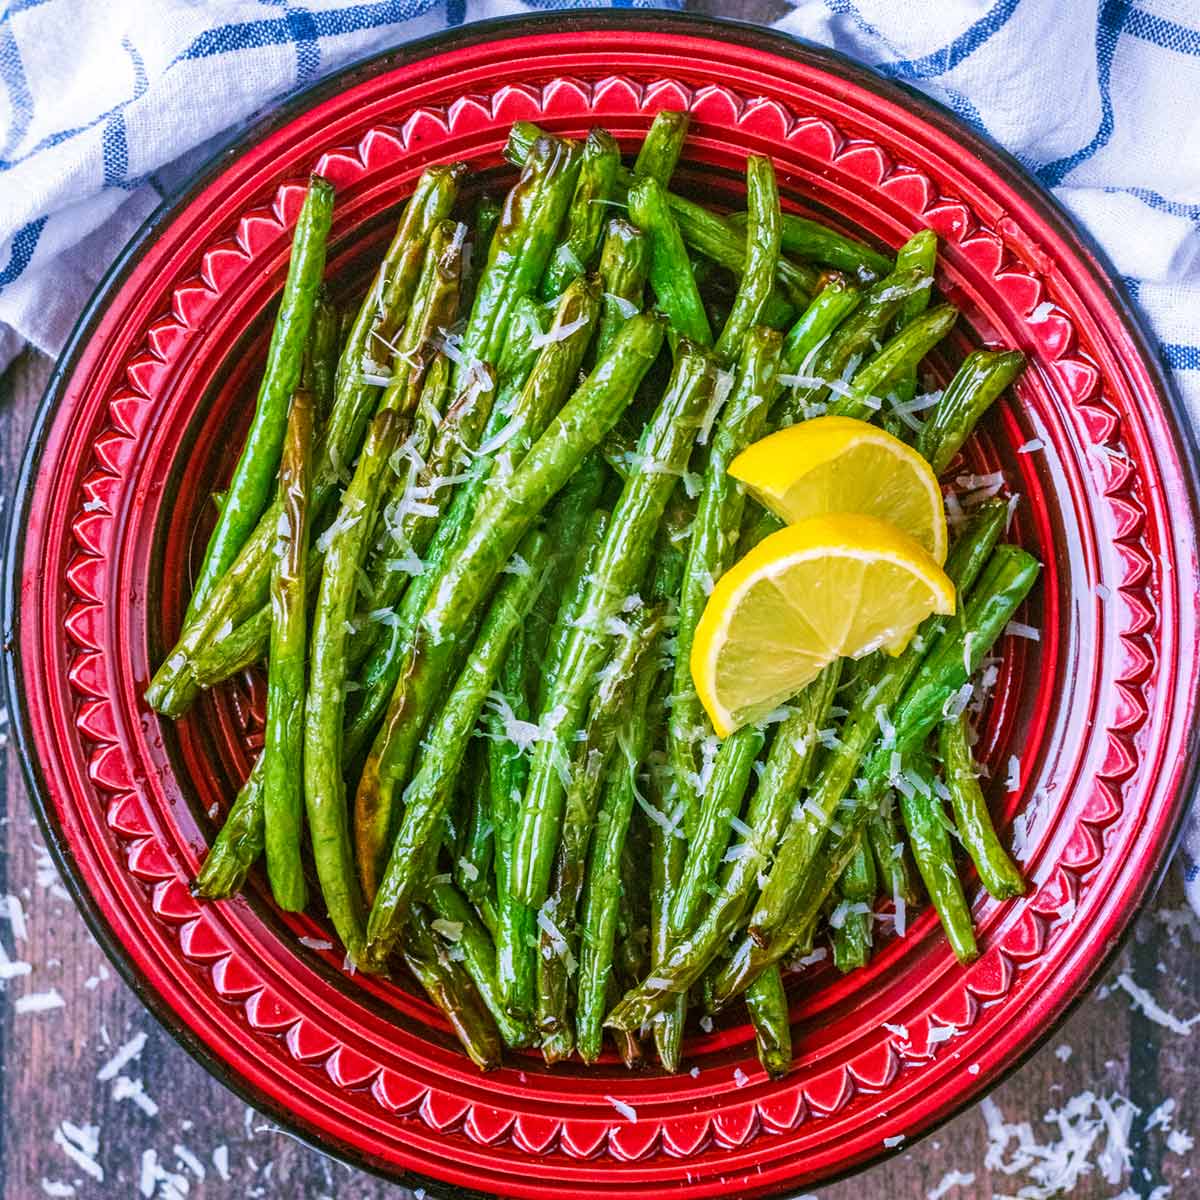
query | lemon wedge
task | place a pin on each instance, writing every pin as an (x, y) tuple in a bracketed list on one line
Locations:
[(841, 465), (828, 586)]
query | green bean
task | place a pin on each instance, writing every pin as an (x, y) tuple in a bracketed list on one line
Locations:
[(766, 1002), (919, 251), (762, 256), (318, 374), (660, 150), (662, 455), (1000, 875), (787, 768), (384, 312), (587, 772), (478, 958), (984, 374), (925, 821), (852, 935), (576, 248), (667, 844), (324, 788), (283, 806), (629, 1045), (668, 849), (484, 221), (815, 242), (711, 550), (715, 238), (485, 906), (631, 944), (516, 923), (243, 588), (521, 246), (854, 338), (245, 645), (249, 490), (498, 525), (433, 308), (448, 985), (239, 843), (722, 801), (827, 310), (818, 243), (473, 868), (885, 841), (1006, 580), (567, 529), (624, 268), (895, 361), (602, 890), (419, 491), (671, 276), (702, 229), (410, 863)]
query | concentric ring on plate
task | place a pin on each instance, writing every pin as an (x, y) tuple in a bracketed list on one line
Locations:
[(139, 421)]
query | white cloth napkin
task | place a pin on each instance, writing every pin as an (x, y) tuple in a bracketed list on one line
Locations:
[(107, 107)]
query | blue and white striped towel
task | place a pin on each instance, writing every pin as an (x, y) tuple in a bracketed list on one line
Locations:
[(106, 107)]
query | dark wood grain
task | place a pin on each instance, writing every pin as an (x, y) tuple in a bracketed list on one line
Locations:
[(50, 1061)]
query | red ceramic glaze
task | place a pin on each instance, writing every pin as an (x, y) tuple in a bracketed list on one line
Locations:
[(139, 424)]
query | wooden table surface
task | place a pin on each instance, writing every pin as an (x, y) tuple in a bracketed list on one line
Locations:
[(52, 1062)]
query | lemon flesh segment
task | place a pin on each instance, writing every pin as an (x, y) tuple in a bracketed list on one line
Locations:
[(825, 587), (839, 464)]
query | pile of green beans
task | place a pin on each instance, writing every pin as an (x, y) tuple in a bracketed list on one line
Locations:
[(470, 536)]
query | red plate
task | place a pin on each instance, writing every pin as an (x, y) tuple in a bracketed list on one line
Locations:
[(140, 421)]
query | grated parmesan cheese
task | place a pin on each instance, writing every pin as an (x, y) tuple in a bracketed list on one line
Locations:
[(1012, 781), (39, 1002), (558, 941), (1141, 999), (626, 1110), (123, 1057), (940, 1033), (1021, 630), (125, 1088), (626, 308), (720, 393), (16, 916), (558, 333), (81, 1144), (950, 1181)]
